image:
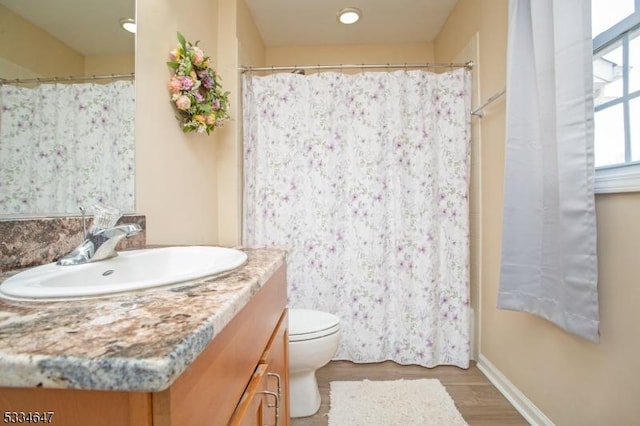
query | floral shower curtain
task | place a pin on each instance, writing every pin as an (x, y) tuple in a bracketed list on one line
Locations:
[(365, 179), (66, 145)]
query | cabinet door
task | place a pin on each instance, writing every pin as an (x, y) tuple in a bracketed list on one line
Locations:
[(253, 404), (276, 356)]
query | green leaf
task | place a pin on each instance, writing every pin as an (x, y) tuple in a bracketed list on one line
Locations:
[(182, 41), (173, 65)]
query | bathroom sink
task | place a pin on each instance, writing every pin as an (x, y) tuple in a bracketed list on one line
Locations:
[(129, 271)]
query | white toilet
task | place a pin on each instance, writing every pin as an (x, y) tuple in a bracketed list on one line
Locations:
[(313, 340)]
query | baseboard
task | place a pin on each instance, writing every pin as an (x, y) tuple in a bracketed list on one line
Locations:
[(529, 411)]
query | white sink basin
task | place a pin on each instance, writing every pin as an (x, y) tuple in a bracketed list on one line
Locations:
[(129, 271)]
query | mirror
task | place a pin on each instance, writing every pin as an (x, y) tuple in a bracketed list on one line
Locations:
[(67, 142)]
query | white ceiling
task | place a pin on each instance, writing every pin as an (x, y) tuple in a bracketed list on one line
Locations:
[(314, 22), (91, 27)]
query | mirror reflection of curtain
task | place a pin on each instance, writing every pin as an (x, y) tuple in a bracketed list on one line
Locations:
[(365, 178), (66, 145)]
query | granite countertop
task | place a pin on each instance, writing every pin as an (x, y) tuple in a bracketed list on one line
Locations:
[(138, 341)]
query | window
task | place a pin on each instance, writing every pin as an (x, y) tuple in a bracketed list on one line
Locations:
[(616, 85)]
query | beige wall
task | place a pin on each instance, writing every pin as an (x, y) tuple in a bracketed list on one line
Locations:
[(109, 64), (228, 145), (176, 173), (189, 186), (252, 51), (245, 48), (572, 381), (350, 54), (29, 47)]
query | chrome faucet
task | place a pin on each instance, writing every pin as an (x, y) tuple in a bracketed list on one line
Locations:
[(101, 239)]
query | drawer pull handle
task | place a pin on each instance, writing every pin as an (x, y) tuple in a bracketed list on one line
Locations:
[(277, 376), (276, 405), (278, 380)]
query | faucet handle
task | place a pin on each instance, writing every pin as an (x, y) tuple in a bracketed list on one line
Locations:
[(105, 217)]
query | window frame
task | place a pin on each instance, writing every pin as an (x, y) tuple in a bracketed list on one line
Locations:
[(622, 177)]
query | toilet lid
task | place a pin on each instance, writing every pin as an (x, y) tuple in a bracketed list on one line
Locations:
[(306, 324)]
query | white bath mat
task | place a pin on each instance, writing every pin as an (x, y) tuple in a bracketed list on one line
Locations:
[(423, 402)]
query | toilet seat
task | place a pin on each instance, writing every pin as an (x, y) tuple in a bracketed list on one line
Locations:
[(307, 324)]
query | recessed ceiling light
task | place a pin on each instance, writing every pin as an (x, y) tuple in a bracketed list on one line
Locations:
[(128, 24), (349, 15)]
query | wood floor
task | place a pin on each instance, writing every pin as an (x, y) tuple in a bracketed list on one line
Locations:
[(476, 398)]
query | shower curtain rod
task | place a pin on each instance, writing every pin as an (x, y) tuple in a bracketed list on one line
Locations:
[(478, 111), (467, 65), (65, 79)]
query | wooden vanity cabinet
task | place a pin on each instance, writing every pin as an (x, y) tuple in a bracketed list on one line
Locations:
[(256, 340), (240, 362)]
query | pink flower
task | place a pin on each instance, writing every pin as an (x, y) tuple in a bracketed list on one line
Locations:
[(175, 84), (198, 56), (183, 103), (207, 83), (187, 83), (216, 105)]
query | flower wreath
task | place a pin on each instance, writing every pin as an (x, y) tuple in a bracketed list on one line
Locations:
[(195, 89)]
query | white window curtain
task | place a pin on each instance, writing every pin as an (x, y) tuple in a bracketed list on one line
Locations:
[(365, 178), (549, 260), (66, 145)]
